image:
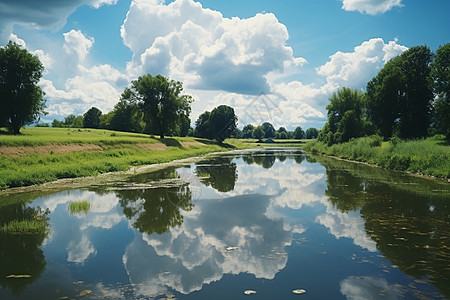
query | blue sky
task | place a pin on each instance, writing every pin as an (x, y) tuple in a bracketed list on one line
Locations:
[(276, 61)]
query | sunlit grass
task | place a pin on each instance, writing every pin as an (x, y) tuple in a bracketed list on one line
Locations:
[(119, 152), (429, 156), (24, 227), (79, 207)]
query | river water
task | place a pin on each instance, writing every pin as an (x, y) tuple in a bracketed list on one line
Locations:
[(267, 222)]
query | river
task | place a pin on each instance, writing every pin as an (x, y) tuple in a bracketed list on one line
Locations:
[(266, 224)]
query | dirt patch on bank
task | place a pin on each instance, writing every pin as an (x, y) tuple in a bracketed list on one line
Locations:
[(191, 144), (153, 147), (47, 149)]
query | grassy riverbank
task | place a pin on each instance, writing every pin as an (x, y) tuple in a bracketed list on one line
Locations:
[(427, 156), (42, 155)]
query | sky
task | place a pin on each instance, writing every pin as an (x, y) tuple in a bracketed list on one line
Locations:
[(274, 61)]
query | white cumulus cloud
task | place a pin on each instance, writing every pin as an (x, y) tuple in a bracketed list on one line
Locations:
[(204, 49), (371, 7), (355, 69), (77, 45)]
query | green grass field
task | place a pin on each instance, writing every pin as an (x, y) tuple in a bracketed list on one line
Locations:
[(429, 156), (120, 151)]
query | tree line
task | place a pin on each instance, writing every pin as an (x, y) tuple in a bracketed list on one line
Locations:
[(408, 98)]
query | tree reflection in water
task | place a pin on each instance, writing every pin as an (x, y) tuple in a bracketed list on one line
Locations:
[(410, 228), (20, 254), (219, 173), (156, 210)]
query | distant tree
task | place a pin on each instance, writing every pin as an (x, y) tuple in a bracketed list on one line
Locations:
[(161, 101), (281, 129), (247, 131), (57, 124), (440, 74), (202, 126), (21, 99), (269, 130), (222, 122), (400, 96), (312, 133), (346, 118), (299, 133), (258, 133), (282, 135), (184, 126), (78, 122), (105, 120), (127, 116), (91, 119), (42, 125)]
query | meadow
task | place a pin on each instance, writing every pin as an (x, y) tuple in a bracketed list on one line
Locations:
[(118, 151), (429, 156)]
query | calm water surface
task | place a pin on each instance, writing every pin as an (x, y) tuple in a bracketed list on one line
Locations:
[(270, 221)]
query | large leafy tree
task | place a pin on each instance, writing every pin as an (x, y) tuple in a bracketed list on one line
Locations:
[(312, 133), (222, 122), (346, 119), (400, 96), (127, 117), (21, 99), (269, 130), (202, 126), (162, 102), (299, 133), (440, 74), (91, 119)]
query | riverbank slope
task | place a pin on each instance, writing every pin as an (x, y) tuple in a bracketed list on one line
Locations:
[(429, 156), (40, 155)]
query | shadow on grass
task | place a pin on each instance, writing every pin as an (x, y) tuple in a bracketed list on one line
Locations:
[(170, 142), (212, 142)]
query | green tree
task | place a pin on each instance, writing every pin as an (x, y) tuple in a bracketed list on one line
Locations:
[(299, 133), (258, 133), (202, 126), (161, 101), (400, 96), (21, 99), (222, 122), (127, 117), (440, 74), (346, 117), (312, 133), (269, 130), (247, 131), (91, 119)]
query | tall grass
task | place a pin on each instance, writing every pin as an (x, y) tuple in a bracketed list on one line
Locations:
[(427, 156), (79, 207), (24, 227)]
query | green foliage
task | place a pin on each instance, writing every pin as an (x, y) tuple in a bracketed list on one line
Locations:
[(440, 74), (161, 101), (258, 133), (247, 131), (21, 99), (299, 134), (269, 130), (346, 119), (312, 133), (91, 119), (400, 96), (428, 156), (219, 124), (202, 126), (222, 122), (126, 116)]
